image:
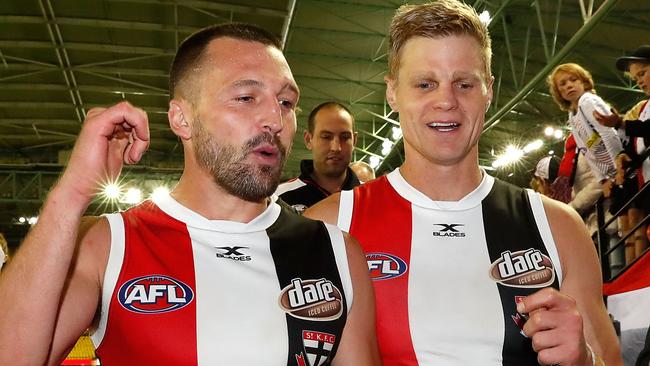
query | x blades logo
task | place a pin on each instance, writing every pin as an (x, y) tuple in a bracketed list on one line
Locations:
[(233, 253), (449, 230)]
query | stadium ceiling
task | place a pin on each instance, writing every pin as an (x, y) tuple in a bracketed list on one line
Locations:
[(59, 58)]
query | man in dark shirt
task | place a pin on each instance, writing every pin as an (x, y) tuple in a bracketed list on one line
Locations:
[(330, 137)]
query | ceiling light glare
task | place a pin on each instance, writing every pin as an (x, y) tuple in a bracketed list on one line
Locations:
[(549, 131), (32, 220), (111, 191), (558, 134), (511, 155), (551, 152), (485, 17), (159, 193), (396, 133), (386, 146), (22, 219), (374, 161), (532, 146), (132, 196)]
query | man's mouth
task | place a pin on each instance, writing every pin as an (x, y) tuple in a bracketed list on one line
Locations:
[(444, 126)]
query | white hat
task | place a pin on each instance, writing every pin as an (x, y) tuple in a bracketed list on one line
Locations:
[(547, 168)]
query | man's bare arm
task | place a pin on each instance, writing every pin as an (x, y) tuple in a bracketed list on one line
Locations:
[(562, 323), (359, 343), (48, 271), (583, 279)]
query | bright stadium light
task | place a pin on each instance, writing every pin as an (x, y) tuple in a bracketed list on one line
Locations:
[(386, 146), (112, 191), (533, 146), (159, 193), (396, 133), (485, 17), (374, 161), (549, 131), (132, 196)]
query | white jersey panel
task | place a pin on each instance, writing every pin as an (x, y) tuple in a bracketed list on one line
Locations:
[(115, 258), (346, 204), (456, 308), (230, 263), (545, 231), (340, 253)]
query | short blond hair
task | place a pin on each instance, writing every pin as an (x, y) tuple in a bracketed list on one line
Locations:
[(438, 19), (573, 69)]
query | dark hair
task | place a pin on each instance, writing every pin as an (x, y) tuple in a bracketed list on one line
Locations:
[(190, 52), (311, 120)]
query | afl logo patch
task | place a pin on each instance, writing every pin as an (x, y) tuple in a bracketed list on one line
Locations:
[(524, 268), (384, 266), (154, 294), (317, 300)]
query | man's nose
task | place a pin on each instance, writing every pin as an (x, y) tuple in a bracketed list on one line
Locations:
[(272, 116), (445, 97), (335, 145)]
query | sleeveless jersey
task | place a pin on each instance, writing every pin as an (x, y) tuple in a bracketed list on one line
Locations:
[(180, 289), (447, 275)]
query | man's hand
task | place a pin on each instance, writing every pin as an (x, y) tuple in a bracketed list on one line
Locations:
[(555, 328), (621, 162), (609, 120), (109, 137)]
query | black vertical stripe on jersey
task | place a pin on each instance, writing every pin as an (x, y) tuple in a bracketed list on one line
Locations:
[(301, 248), (510, 225)]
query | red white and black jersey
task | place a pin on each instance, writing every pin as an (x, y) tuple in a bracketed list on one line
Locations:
[(180, 289), (447, 275)]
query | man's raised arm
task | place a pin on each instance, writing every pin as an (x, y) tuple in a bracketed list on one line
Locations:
[(49, 293)]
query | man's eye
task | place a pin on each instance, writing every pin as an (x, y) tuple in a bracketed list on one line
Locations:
[(245, 98), (425, 85), (287, 104)]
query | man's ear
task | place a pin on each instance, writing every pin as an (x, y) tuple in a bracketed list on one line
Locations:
[(354, 138), (390, 93), (307, 138), (177, 119)]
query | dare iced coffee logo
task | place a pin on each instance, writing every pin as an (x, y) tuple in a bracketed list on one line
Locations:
[(316, 300), (524, 268)]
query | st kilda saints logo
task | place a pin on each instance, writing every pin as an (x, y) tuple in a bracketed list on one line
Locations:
[(235, 253), (154, 294), (317, 347), (524, 268), (317, 300), (449, 230)]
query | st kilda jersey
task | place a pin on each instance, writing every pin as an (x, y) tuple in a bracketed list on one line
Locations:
[(180, 289), (447, 275)]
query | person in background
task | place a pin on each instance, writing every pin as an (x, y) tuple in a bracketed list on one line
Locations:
[(330, 137), (442, 236), (544, 175), (363, 171), (572, 88), (637, 130)]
